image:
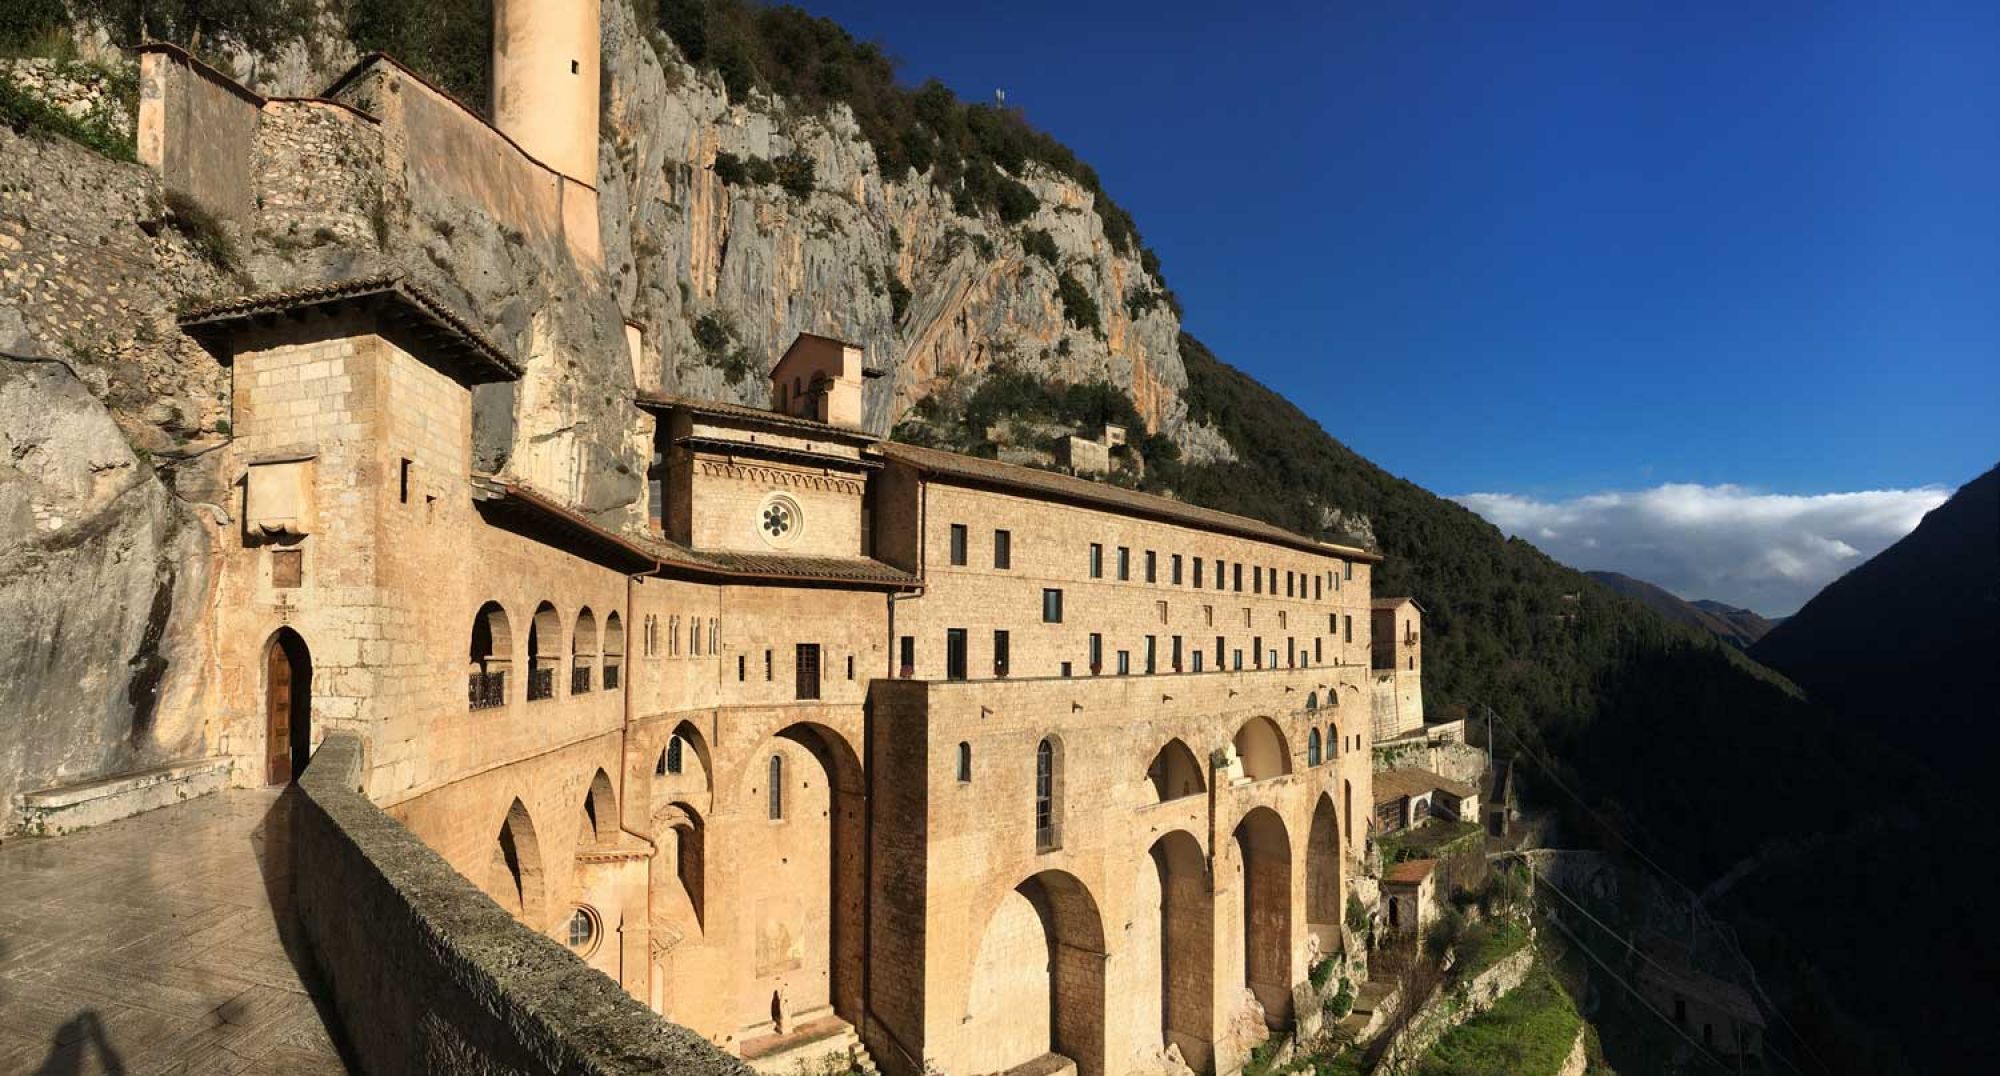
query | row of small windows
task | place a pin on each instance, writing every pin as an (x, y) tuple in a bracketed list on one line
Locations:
[(1179, 655), (1227, 575), (592, 656), (681, 637), (1336, 623)]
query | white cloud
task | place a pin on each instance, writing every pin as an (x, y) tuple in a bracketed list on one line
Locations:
[(1765, 551)]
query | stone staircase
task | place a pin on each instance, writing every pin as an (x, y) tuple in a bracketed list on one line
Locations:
[(825, 1047)]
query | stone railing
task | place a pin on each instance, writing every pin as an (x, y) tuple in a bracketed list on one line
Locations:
[(427, 974)]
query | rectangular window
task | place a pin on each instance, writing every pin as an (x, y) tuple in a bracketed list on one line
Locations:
[(1237, 572), (403, 482), (1177, 653), (958, 534), (1096, 561), (1197, 573), (1333, 623), (1349, 632), (1051, 606), (806, 668), (1152, 566), (1065, 670), (1237, 654), (1000, 653), (1219, 653), (1256, 580), (850, 666), (1124, 564), (742, 667), (1246, 616), (1348, 566), (1336, 581), (1096, 653), (1257, 650), (1319, 594), (1289, 584), (906, 661), (1197, 660), (1174, 567), (1124, 663), (1003, 549), (1291, 653), (1163, 611), (954, 654), (1152, 654), (1208, 616), (767, 665), (1281, 618), (288, 568)]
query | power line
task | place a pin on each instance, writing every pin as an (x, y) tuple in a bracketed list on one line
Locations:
[(1636, 996)]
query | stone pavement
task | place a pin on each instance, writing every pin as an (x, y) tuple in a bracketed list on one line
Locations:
[(153, 945)]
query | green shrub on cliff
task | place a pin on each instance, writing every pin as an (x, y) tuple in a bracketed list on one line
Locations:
[(26, 113)]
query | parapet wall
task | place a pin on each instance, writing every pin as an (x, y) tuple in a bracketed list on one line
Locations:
[(429, 975)]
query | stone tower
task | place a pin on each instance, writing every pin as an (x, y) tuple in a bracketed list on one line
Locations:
[(546, 70)]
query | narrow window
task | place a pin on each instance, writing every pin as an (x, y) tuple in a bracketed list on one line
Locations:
[(1003, 549), (1048, 834), (850, 666), (1256, 579), (1236, 656), (1152, 566), (906, 660), (742, 670), (674, 750), (1237, 572), (1348, 629), (1096, 561), (1177, 653), (1219, 652), (1152, 654), (1124, 663), (1124, 564), (1319, 652), (1197, 660), (964, 762), (1051, 606), (1174, 569), (1208, 616), (1291, 653), (1348, 565), (1257, 649), (767, 665), (714, 635), (1318, 593), (1197, 573), (1281, 618), (806, 670), (1162, 607), (954, 654), (1096, 653), (1312, 748), (403, 482), (775, 774), (1000, 655), (958, 538)]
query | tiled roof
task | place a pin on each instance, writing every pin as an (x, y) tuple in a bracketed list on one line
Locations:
[(1409, 872), (745, 413), (510, 500), (1104, 495), (1391, 785), (1391, 603), (456, 337)]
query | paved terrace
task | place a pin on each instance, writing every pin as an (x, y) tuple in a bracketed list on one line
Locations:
[(154, 945)]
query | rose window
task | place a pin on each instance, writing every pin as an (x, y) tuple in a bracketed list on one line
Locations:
[(779, 520)]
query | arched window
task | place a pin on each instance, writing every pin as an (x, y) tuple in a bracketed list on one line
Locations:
[(1048, 795), (1312, 702), (673, 757), (491, 653), (1333, 742), (614, 651), (544, 652), (1312, 748), (583, 652), (777, 793), (964, 761)]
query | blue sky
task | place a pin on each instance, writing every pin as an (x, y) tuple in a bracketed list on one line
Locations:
[(1548, 250)]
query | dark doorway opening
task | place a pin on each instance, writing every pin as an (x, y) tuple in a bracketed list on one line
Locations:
[(287, 707)]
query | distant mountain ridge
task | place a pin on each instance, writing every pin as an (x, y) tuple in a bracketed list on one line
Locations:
[(1906, 642), (1738, 627)]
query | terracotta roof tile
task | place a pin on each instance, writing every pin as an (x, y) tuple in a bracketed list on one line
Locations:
[(1391, 785), (1409, 872), (653, 401)]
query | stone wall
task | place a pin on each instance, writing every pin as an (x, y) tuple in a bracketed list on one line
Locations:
[(80, 91), (427, 974), (1451, 1006)]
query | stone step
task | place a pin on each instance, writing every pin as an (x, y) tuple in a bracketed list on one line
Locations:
[(824, 1047)]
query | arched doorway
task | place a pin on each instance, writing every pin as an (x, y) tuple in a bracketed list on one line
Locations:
[(1266, 853), (287, 707)]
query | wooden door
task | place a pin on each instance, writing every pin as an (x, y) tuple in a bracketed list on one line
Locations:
[(278, 714)]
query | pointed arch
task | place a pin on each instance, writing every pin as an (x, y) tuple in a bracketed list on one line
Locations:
[(685, 837), (600, 812), (288, 675), (1175, 773), (514, 874)]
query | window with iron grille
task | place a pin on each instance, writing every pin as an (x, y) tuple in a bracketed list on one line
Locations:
[(807, 666), (1048, 820)]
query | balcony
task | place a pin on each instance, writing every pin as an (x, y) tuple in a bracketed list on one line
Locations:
[(486, 690)]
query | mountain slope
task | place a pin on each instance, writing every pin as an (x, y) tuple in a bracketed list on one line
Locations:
[(1907, 641), (1737, 627)]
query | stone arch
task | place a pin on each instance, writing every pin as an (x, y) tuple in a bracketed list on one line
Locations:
[(614, 650), (489, 657), (684, 760), (1260, 744), (1187, 947), (684, 835), (1323, 875), (514, 875), (545, 633), (1037, 983), (808, 948), (288, 675), (583, 651), (1265, 852), (600, 812), (1175, 772)]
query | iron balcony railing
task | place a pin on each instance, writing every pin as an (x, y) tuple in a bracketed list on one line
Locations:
[(486, 690), (579, 680), (541, 684)]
